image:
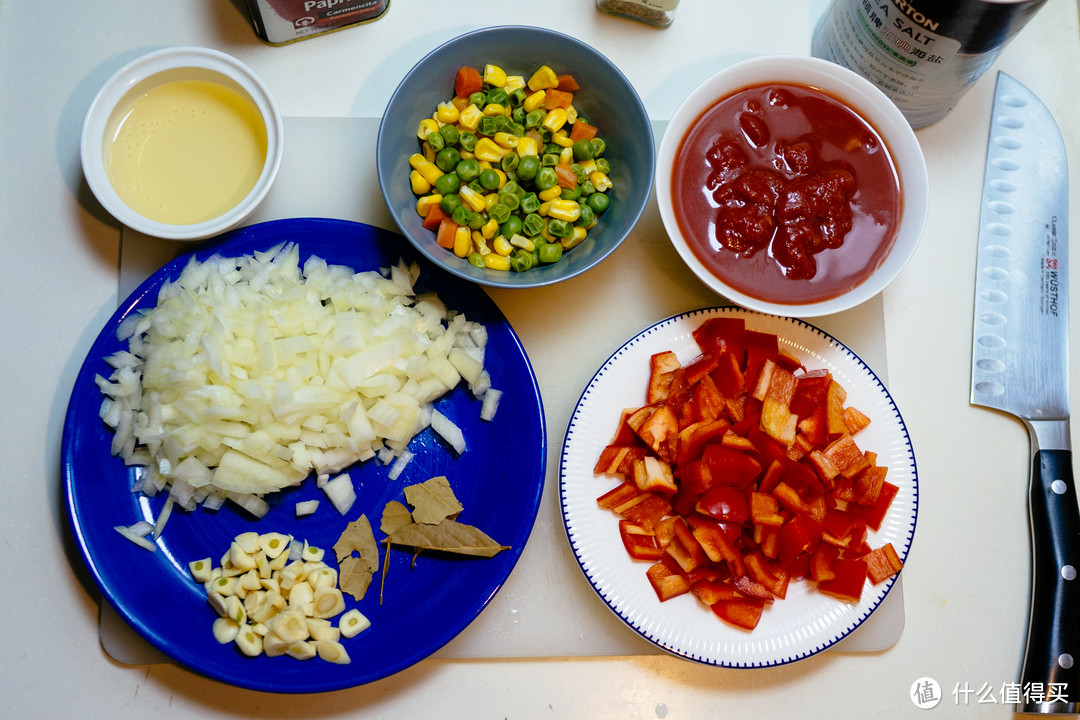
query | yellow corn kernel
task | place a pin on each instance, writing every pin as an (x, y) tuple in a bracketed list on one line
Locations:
[(495, 261), (460, 103), (506, 140), (486, 149), (419, 185), (567, 210), (466, 155), (555, 119), (472, 198), (502, 179), (542, 211), (494, 75), (562, 139), (416, 160), (548, 237), (430, 171), (514, 82), (534, 101), (522, 242), (502, 246), (490, 228), (423, 205), (469, 118), (588, 166), (447, 113), (462, 241), (527, 146), (491, 199), (566, 156), (576, 239), (427, 126), (484, 164), (600, 181), (571, 114), (493, 109), (543, 78), (481, 244), (550, 194)]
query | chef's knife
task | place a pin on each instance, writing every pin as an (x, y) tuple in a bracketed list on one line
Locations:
[(1020, 365)]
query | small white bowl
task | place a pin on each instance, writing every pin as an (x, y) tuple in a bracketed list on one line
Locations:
[(154, 69), (859, 95)]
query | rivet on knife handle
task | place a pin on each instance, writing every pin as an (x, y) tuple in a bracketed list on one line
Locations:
[(1050, 679)]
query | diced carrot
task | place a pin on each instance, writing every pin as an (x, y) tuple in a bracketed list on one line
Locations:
[(445, 236), (555, 98), (434, 217), (567, 83), (468, 81), (565, 176), (582, 131)]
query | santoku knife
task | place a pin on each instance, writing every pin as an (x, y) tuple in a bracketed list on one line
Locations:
[(1020, 365)]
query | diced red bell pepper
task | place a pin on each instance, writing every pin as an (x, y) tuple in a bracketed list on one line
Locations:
[(711, 592), (708, 402), (874, 514), (685, 549), (764, 573), (618, 459), (848, 582), (649, 512), (693, 439), (730, 467), (821, 565), (639, 544), (765, 509), (660, 431), (667, 581), (740, 612), (882, 563), (798, 535), (728, 375), (724, 503), (810, 392), (723, 333), (751, 588), (716, 544), (621, 495), (759, 348)]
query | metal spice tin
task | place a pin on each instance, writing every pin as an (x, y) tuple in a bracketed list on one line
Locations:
[(284, 21)]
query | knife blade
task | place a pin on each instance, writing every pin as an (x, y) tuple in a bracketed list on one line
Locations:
[(1020, 366)]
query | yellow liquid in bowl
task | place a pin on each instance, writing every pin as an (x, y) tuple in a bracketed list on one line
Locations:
[(186, 151)]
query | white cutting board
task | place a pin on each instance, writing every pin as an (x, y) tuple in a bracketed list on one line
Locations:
[(546, 608)]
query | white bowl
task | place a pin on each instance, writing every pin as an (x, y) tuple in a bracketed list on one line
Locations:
[(154, 69), (859, 95)]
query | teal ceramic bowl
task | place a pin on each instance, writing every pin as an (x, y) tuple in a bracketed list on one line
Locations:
[(606, 98)]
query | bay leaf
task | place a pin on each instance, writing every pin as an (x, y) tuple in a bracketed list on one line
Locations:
[(353, 578), (394, 516), (447, 536), (432, 500)]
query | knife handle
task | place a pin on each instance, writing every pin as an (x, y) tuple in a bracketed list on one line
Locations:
[(1050, 679)]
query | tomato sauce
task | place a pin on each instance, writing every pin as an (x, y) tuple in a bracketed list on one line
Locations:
[(786, 194)]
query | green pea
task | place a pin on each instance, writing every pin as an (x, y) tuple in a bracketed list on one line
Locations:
[(533, 119), (549, 160), (532, 224), (598, 202), (518, 116), (447, 159), (449, 203), (467, 141), (476, 221), (487, 126), (517, 97), (587, 188), (503, 123), (521, 261), (530, 203), (448, 184), (478, 99), (550, 253), (598, 147), (509, 161), (489, 179), (497, 96), (552, 148), (587, 217), (475, 186), (511, 227), (570, 193), (514, 189), (476, 259), (462, 215), (499, 212), (559, 228), (450, 134), (517, 129), (579, 173), (436, 141), (583, 150), (527, 167), (546, 178), (603, 165), (468, 169), (509, 199)]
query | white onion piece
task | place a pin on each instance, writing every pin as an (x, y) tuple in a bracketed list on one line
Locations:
[(252, 373), (341, 492), (448, 431), (306, 507), (490, 404)]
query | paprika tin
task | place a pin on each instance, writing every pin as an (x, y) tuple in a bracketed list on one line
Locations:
[(923, 54), (284, 21)]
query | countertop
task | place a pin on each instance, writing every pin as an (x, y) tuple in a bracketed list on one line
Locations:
[(965, 587)]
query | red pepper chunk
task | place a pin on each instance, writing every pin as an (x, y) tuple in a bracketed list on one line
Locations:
[(849, 576), (741, 612), (882, 563)]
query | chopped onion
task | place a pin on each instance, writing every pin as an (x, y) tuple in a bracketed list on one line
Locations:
[(399, 464), (448, 431), (137, 534), (252, 373), (341, 492), (490, 404), (306, 507)]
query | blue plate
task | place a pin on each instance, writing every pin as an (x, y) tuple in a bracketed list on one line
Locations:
[(499, 480)]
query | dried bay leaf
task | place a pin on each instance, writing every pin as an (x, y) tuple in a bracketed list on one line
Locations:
[(395, 515), (358, 537), (352, 578), (432, 500), (448, 536)]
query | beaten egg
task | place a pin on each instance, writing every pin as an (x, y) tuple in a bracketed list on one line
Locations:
[(186, 151)]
